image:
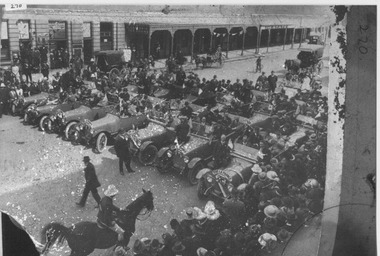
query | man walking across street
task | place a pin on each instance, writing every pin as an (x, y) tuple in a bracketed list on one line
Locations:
[(272, 80), (92, 182), (258, 64), (123, 153)]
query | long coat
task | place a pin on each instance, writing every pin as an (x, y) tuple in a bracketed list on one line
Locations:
[(90, 176)]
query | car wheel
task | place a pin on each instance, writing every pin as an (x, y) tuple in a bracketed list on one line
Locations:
[(42, 123), (69, 130), (101, 142), (148, 155), (201, 188), (26, 118), (48, 125), (13, 110), (163, 165), (192, 173)]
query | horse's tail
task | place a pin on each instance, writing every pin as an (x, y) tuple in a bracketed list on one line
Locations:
[(51, 233)]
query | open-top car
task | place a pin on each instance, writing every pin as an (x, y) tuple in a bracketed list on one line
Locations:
[(20, 105), (40, 115), (147, 141), (98, 132), (220, 182), (65, 122)]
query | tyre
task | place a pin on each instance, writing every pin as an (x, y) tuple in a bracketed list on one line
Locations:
[(113, 74), (48, 125), (192, 173), (101, 142), (201, 188), (43, 122), (26, 118), (13, 109), (69, 130), (148, 155)]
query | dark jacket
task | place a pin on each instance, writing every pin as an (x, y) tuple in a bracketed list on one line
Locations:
[(187, 111), (122, 147), (90, 176), (106, 209), (4, 95)]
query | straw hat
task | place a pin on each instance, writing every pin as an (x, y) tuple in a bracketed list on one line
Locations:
[(211, 212), (242, 187), (256, 168), (271, 211), (272, 175), (262, 176), (111, 191), (199, 214)]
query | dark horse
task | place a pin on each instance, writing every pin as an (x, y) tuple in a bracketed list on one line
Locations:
[(292, 65), (85, 236)]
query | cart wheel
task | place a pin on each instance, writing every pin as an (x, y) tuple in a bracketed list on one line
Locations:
[(148, 155), (43, 122), (192, 173), (114, 73), (201, 189), (101, 142)]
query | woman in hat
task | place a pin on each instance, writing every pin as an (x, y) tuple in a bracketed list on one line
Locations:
[(107, 210)]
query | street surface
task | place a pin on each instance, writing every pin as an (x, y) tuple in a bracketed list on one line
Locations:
[(42, 177)]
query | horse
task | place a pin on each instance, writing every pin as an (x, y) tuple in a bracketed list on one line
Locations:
[(84, 237)]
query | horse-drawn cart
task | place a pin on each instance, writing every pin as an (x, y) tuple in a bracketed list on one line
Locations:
[(111, 63), (207, 60)]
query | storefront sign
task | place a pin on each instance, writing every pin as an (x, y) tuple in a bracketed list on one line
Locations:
[(4, 30), (14, 7), (23, 29), (86, 29), (57, 30), (274, 27), (137, 28)]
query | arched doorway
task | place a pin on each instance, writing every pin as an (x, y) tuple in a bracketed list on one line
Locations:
[(251, 38), (163, 39), (202, 39), (182, 41), (264, 38), (289, 36), (297, 35), (277, 37), (236, 38), (219, 37)]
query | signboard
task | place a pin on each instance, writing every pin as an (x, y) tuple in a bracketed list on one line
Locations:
[(23, 29), (15, 7), (274, 26), (86, 29), (4, 30), (57, 30)]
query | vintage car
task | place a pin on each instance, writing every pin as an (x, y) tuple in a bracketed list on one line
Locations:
[(20, 105), (316, 38), (111, 62), (65, 122), (147, 141), (39, 115), (220, 182), (99, 131), (190, 157)]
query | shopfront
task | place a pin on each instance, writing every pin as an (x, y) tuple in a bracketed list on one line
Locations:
[(57, 43), (87, 42), (5, 46), (137, 35)]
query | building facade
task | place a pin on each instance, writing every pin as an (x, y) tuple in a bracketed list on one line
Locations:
[(85, 32)]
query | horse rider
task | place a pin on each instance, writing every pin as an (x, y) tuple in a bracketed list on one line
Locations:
[(107, 211)]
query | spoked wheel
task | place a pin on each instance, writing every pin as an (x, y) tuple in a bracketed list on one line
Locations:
[(192, 173), (148, 155), (69, 131), (43, 123), (101, 142), (114, 73), (48, 125)]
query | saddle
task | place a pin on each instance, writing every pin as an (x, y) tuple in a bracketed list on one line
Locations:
[(101, 225)]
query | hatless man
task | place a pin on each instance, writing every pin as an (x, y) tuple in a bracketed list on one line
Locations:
[(92, 183), (122, 148), (221, 152), (187, 110), (272, 81), (182, 131)]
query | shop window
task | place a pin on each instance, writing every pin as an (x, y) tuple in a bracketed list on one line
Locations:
[(5, 50)]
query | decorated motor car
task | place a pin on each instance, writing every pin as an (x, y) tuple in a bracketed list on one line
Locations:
[(147, 141), (190, 157), (40, 115), (96, 133), (220, 182), (19, 105), (65, 122)]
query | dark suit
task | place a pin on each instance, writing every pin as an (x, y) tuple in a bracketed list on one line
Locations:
[(106, 209), (123, 153), (92, 183)]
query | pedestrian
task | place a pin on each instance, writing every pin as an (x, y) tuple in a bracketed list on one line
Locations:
[(187, 110), (92, 182), (27, 70), (123, 152), (272, 80), (4, 93), (45, 69), (258, 64)]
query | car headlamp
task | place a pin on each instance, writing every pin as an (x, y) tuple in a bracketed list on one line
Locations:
[(209, 179), (186, 159), (169, 153), (230, 187)]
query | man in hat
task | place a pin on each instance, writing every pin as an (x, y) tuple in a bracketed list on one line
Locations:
[(188, 224), (107, 210), (92, 68), (122, 148), (221, 152), (187, 110), (182, 131), (272, 81), (92, 182), (258, 64), (235, 209)]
